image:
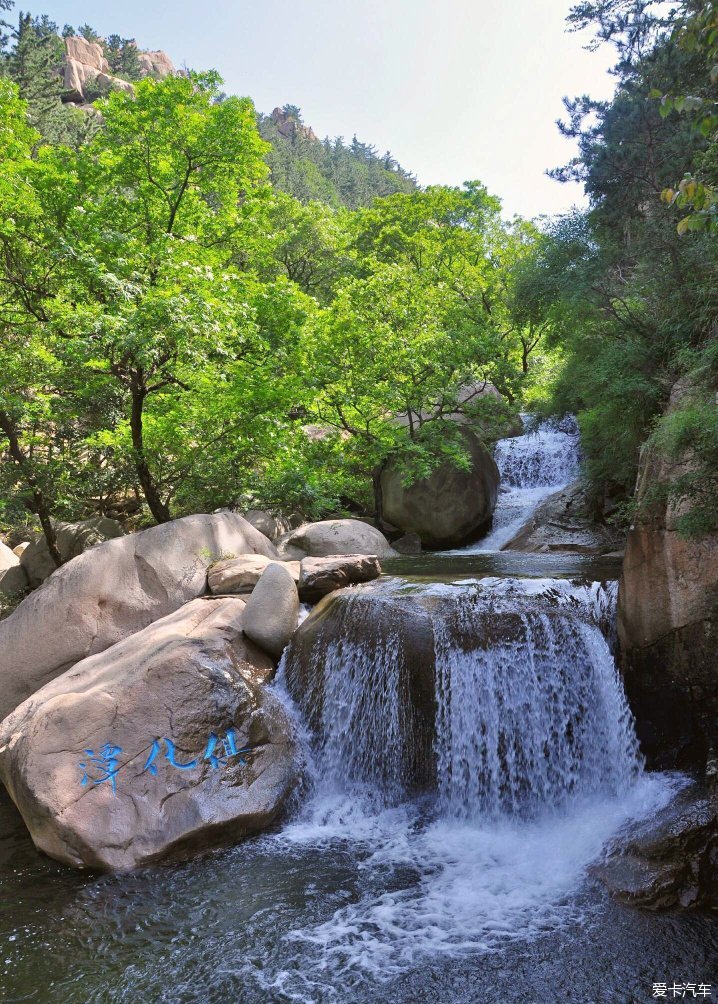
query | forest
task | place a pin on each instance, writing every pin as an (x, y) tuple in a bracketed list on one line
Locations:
[(198, 310)]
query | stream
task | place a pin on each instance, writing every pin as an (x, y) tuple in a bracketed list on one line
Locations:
[(378, 888)]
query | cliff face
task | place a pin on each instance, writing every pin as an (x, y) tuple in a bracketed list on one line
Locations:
[(668, 624), (86, 72), (290, 127)]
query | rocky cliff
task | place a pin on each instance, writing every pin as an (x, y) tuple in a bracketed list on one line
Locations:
[(668, 621), (86, 72)]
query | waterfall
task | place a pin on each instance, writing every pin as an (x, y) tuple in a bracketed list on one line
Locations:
[(530, 710), (533, 466), (502, 695)]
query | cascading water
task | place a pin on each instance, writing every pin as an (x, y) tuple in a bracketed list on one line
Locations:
[(532, 466)]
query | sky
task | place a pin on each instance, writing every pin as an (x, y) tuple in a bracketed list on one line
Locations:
[(456, 89)]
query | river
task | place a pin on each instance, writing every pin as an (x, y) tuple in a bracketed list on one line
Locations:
[(477, 889)]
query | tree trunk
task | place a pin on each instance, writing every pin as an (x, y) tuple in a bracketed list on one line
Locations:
[(158, 508), (38, 502)]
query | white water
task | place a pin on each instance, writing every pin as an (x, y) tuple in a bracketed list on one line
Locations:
[(533, 466), (537, 765)]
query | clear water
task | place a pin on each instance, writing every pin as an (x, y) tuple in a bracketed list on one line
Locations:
[(478, 889)]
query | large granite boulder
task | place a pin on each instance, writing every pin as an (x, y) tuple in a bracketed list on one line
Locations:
[(672, 861), (72, 540), (668, 622), (336, 536), (563, 522), (111, 591), (451, 507), (270, 618), (157, 747)]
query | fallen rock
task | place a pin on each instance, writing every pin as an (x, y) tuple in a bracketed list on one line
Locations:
[(72, 540), (320, 576), (241, 575), (562, 523), (451, 507), (110, 592), (270, 617), (669, 862), (337, 536), (134, 755)]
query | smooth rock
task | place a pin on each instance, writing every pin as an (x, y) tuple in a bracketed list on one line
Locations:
[(562, 523), (451, 507), (241, 575), (20, 548), (111, 591), (671, 861), (338, 536), (125, 714), (409, 543), (270, 617), (72, 539), (13, 580), (320, 576)]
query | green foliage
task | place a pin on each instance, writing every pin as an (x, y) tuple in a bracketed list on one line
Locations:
[(328, 171)]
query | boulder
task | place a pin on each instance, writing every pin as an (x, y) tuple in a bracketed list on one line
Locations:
[(408, 543), (263, 521), (451, 507), (20, 548), (72, 539), (13, 579), (668, 623), (156, 747), (80, 81), (671, 861), (272, 611), (111, 591), (155, 64), (88, 53), (320, 576), (241, 575), (562, 522), (338, 536)]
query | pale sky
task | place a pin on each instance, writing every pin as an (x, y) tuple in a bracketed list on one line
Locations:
[(457, 89)]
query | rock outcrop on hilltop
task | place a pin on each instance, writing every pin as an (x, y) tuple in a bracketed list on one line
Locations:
[(86, 72)]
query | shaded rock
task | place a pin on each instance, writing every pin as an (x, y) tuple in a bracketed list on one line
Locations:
[(668, 623), (72, 539), (263, 521), (13, 579), (18, 550), (172, 686), (671, 861), (337, 536), (320, 576), (241, 575), (270, 617), (410, 543), (111, 591), (562, 523), (451, 507)]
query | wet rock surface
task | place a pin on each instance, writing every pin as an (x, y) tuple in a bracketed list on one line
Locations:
[(669, 862), (562, 523)]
